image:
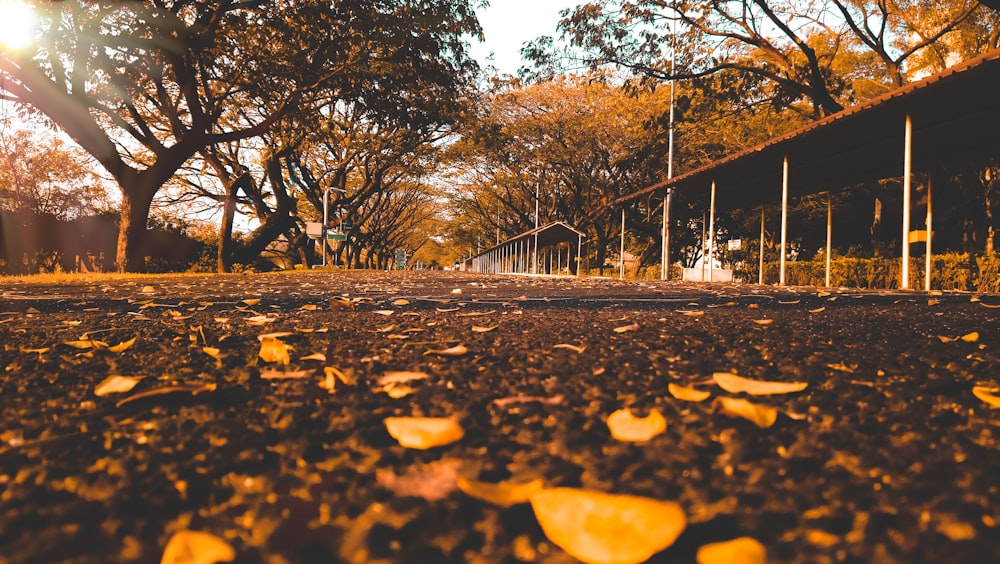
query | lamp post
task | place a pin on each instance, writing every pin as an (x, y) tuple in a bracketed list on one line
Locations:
[(326, 215)]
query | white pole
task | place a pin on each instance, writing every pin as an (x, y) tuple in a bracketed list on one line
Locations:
[(665, 255), (621, 254), (326, 217), (927, 252), (579, 246), (760, 271), (829, 237), (784, 219), (668, 192), (907, 169), (711, 233)]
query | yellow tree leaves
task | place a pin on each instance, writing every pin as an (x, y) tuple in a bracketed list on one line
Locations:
[(195, 547), (628, 428), (761, 415), (685, 393), (744, 550), (602, 528), (735, 384), (988, 395), (424, 432), (273, 350)]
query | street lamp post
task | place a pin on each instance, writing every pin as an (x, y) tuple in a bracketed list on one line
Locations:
[(326, 216)]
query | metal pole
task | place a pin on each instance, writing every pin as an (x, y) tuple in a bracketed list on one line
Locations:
[(907, 169), (326, 217), (703, 246), (579, 247), (711, 233), (927, 252), (621, 254), (829, 237), (784, 218), (665, 258), (760, 271)]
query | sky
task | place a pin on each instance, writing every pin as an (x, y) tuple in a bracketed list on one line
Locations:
[(507, 24)]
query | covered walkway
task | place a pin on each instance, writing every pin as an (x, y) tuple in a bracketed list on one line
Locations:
[(944, 118), (549, 249)]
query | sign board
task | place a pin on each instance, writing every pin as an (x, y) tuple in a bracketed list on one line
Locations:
[(346, 225), (735, 244), (334, 236), (314, 230)]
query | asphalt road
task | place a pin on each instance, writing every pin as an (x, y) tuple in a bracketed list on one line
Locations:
[(885, 456)]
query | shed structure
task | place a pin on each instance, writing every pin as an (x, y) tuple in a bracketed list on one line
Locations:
[(550, 249)]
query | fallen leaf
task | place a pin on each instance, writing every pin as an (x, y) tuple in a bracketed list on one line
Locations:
[(761, 415), (315, 356), (252, 301), (480, 329), (398, 391), (212, 352), (504, 494), (329, 382), (628, 428), (272, 374), (401, 302), (601, 528), (148, 290), (687, 394), (744, 550), (822, 294), (574, 348), (193, 389), (350, 380), (688, 313), (386, 329), (457, 350), (259, 320), (817, 310), (399, 377), (933, 302), (446, 309), (115, 385), (753, 306), (123, 345), (341, 303), (384, 312), (42, 350), (456, 291), (791, 302), (970, 337), (735, 384), (987, 395), (276, 335), (424, 432), (87, 344), (195, 547), (626, 328), (763, 321), (310, 307), (945, 339), (841, 367), (273, 350), (989, 306), (432, 481)]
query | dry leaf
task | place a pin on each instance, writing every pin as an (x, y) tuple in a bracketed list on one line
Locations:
[(761, 415), (987, 395), (628, 428), (195, 547), (315, 356), (970, 337), (753, 306), (763, 321), (148, 290), (401, 302), (384, 312), (432, 481), (386, 329), (457, 350), (341, 303), (791, 302), (193, 389), (259, 320), (817, 310), (504, 494), (744, 550), (349, 380), (735, 384), (687, 394), (212, 352), (446, 310), (310, 307), (989, 306), (252, 301), (329, 382), (42, 350), (424, 432), (115, 385), (601, 528), (691, 313), (933, 302), (626, 328), (272, 374), (574, 348), (87, 344), (822, 294), (276, 335), (480, 329), (399, 377), (397, 391), (273, 350), (456, 291), (123, 345)]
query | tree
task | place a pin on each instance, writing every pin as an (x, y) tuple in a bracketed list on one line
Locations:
[(143, 87)]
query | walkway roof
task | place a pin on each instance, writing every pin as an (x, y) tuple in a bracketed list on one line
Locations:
[(955, 114), (548, 235)]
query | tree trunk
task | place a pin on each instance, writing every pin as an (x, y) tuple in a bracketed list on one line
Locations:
[(132, 230), (225, 250)]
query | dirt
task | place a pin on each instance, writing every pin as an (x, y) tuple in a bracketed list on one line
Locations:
[(886, 456)]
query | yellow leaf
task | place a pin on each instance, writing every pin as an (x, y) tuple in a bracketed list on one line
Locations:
[(349, 380), (971, 337), (271, 374), (763, 321), (310, 307), (401, 302), (397, 391), (384, 312), (817, 310), (987, 395), (628, 428), (574, 348), (626, 328), (933, 302), (115, 385), (148, 290), (341, 303), (822, 294), (753, 306), (399, 377), (315, 356), (42, 350), (735, 384), (480, 329), (945, 339), (600, 528), (87, 344), (252, 301), (276, 335), (457, 350), (273, 350), (195, 547), (687, 394), (424, 432), (504, 494), (744, 550), (692, 313), (123, 345), (761, 415), (989, 306), (212, 352)]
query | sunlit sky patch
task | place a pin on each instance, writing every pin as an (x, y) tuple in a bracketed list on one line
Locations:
[(17, 24)]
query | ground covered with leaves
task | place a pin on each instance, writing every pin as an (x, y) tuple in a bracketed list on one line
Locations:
[(434, 417)]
